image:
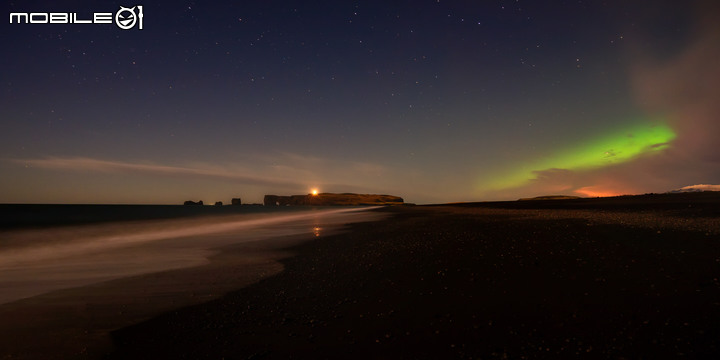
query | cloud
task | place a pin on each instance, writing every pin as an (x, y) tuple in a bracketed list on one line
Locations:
[(685, 87), (281, 171), (702, 187), (322, 171), (553, 180), (107, 166)]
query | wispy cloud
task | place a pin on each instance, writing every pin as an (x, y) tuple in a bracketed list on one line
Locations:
[(283, 171), (702, 187), (99, 165)]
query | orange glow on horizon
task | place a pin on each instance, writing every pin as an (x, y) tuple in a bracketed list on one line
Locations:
[(314, 192), (595, 191)]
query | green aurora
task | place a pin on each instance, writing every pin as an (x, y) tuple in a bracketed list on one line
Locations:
[(615, 148)]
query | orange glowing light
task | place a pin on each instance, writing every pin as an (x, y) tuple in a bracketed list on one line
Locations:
[(314, 192), (595, 191)]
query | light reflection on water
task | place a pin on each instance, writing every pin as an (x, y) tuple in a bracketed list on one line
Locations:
[(33, 262)]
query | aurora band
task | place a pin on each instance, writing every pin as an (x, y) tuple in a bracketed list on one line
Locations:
[(612, 149)]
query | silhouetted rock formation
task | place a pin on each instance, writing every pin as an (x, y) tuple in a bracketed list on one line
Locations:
[(552, 197), (190, 202), (328, 199), (236, 201), (218, 203)]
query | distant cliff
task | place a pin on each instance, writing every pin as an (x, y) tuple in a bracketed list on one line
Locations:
[(551, 197), (328, 199)]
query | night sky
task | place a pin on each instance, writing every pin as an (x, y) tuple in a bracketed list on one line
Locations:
[(434, 101)]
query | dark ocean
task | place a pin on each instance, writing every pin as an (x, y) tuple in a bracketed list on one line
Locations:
[(38, 215)]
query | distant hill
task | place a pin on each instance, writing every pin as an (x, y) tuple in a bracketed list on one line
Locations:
[(703, 203), (551, 197), (329, 199), (695, 188)]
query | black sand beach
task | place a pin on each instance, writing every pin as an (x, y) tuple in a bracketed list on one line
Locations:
[(63, 289), (612, 279), (634, 277)]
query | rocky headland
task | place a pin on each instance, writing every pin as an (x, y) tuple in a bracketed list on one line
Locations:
[(330, 199)]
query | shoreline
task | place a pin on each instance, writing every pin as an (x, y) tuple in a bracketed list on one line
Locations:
[(36, 261), (459, 282), (76, 322)]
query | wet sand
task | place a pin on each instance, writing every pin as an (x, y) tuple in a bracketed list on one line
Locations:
[(75, 321), (473, 281)]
